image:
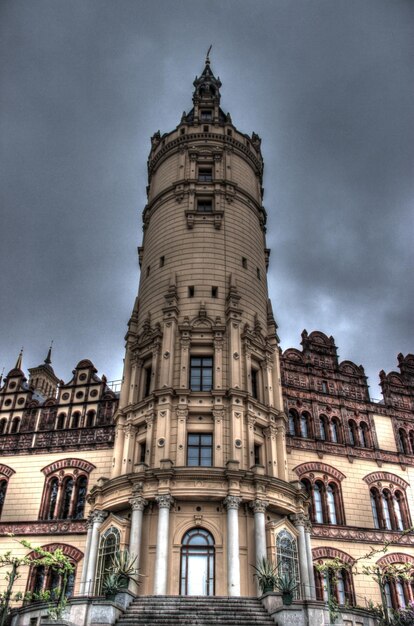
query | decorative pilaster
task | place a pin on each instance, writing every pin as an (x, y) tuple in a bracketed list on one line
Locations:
[(82, 586), (251, 420), (218, 416), (96, 518), (232, 504), (128, 455), (282, 469), (272, 465), (218, 360), (182, 414), (185, 357), (149, 420), (299, 521), (161, 558), (138, 504)]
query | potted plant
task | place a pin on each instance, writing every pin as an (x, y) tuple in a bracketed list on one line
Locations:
[(286, 583), (120, 572), (265, 574)]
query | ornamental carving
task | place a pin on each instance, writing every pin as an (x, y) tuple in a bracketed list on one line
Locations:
[(165, 501), (138, 504), (68, 463), (385, 477), (326, 552), (7, 471), (396, 557), (259, 506), (232, 502), (98, 516), (70, 551), (316, 466), (46, 527), (361, 535)]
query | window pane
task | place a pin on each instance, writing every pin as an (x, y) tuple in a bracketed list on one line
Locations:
[(193, 439), (206, 440)]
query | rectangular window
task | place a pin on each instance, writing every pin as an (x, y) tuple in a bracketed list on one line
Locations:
[(141, 453), (214, 292), (244, 262), (200, 450), (204, 206), (191, 291), (205, 174), (206, 116), (255, 383), (147, 381), (258, 273), (201, 373), (162, 261), (205, 129), (257, 454)]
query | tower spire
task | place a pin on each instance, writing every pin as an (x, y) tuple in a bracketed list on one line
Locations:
[(208, 55), (48, 359), (18, 365)]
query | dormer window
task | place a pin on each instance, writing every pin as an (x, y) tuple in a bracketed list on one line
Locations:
[(206, 115)]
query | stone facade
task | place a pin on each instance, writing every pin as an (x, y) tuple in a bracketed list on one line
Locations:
[(218, 438)]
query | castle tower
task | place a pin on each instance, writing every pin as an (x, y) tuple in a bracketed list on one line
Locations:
[(199, 464)]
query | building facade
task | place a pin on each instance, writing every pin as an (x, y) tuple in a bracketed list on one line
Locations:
[(220, 448)]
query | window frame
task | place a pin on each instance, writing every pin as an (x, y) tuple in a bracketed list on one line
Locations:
[(200, 447)]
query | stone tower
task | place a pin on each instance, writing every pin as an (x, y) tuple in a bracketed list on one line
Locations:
[(199, 487)]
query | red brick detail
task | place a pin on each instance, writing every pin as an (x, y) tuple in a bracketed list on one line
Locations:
[(70, 551), (44, 527), (396, 557), (315, 466), (65, 463), (385, 477), (325, 552), (7, 471)]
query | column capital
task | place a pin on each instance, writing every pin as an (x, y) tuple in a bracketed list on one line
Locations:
[(232, 502), (164, 501), (138, 503), (97, 517), (259, 506), (300, 519)]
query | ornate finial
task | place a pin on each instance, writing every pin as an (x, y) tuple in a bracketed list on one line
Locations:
[(48, 359), (1, 375), (208, 54), (18, 365)]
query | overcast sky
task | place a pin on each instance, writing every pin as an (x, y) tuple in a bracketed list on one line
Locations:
[(328, 85)]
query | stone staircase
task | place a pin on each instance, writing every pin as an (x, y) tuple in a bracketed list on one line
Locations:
[(195, 611)]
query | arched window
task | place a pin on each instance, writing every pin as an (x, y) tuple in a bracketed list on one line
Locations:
[(3, 489), (197, 563), (330, 496), (326, 502), (64, 499), (398, 592), (376, 507), (60, 422), (108, 545), (389, 510), (402, 441), (353, 433), (15, 425), (335, 430), (75, 420), (323, 428), (43, 578), (293, 419), (411, 438), (335, 584), (304, 425), (90, 419), (386, 500), (80, 497), (317, 494), (364, 435), (3, 426), (287, 557)]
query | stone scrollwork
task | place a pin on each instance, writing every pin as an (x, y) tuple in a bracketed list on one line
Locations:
[(232, 502), (164, 501)]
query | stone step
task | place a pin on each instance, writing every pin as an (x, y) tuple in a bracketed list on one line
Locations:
[(195, 611)]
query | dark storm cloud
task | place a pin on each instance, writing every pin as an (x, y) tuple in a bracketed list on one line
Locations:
[(328, 86)]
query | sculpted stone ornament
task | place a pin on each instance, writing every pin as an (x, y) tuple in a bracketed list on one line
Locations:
[(138, 503), (259, 506), (165, 501), (300, 519), (232, 502), (98, 516)]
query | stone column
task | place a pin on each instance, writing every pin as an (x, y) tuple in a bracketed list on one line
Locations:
[(161, 557), (97, 517), (308, 530), (299, 521), (232, 504), (259, 508), (82, 585), (138, 505)]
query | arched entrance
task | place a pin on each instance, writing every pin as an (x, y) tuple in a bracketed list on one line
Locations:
[(197, 563)]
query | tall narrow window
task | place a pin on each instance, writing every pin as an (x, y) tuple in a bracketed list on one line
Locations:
[(257, 454), (317, 494), (398, 513), (291, 423), (331, 504), (108, 545), (201, 373), (254, 379), (67, 497), (323, 427), (147, 381), (197, 563), (304, 430), (386, 511), (80, 501), (200, 450), (374, 507), (3, 489), (287, 557), (52, 499)]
